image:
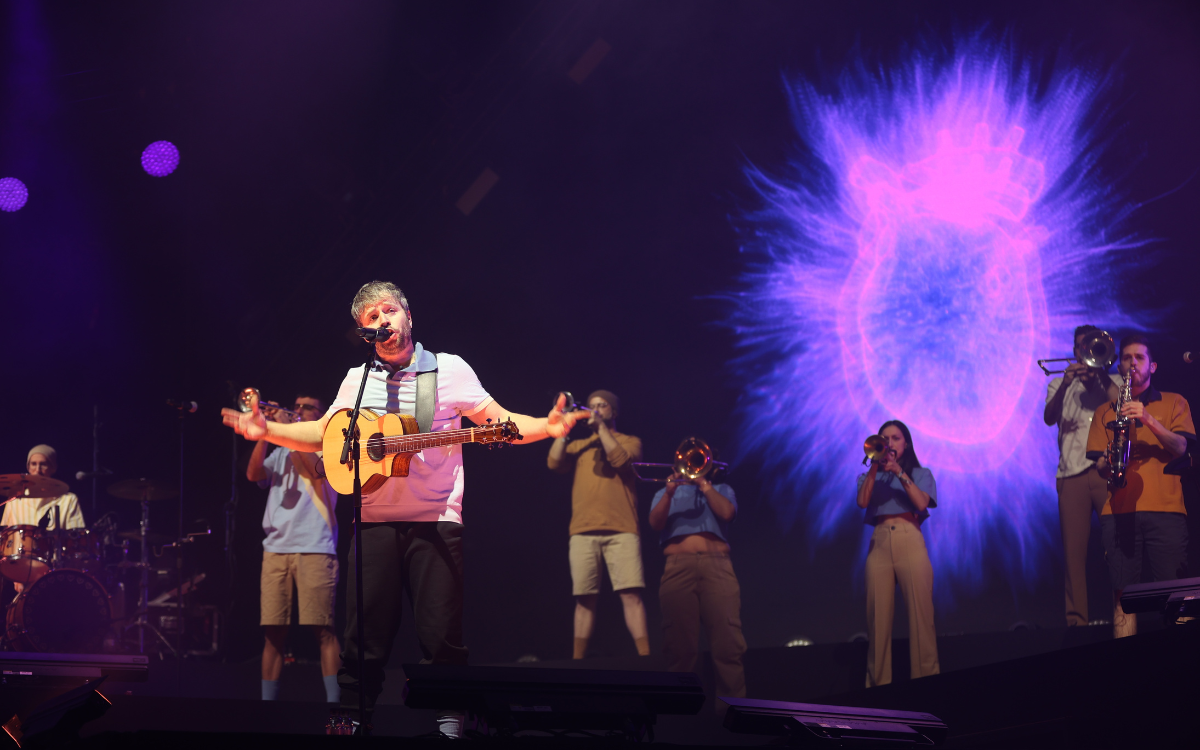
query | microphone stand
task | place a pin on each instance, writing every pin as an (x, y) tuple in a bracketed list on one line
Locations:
[(350, 451)]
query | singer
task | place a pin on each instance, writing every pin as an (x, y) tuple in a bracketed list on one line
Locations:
[(412, 530)]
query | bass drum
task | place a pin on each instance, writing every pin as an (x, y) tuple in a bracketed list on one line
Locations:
[(64, 612)]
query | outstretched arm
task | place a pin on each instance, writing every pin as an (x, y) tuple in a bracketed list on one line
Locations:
[(557, 424), (299, 436)]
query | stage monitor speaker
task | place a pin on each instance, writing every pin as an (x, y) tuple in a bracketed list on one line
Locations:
[(812, 725), (20, 669), (1174, 599), (511, 699), (56, 722)]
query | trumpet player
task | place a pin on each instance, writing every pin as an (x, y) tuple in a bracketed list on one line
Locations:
[(1146, 515), (299, 551), (604, 523), (1071, 401), (897, 492)]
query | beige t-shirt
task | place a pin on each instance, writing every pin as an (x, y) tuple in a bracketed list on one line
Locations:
[(603, 497)]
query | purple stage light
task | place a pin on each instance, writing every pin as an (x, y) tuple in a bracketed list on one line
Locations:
[(13, 194), (160, 158), (939, 237)]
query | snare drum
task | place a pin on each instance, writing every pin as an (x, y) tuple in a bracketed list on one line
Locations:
[(25, 553)]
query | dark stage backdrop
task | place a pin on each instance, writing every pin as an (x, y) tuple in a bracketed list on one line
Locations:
[(326, 144)]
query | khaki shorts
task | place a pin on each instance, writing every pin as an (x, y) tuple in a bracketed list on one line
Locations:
[(623, 554), (313, 575)]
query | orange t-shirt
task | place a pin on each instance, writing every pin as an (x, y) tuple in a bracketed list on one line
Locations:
[(1146, 487)]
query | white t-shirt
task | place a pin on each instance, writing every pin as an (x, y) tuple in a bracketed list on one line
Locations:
[(300, 515), (1079, 404), (433, 489)]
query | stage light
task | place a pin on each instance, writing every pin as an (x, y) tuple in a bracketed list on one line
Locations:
[(13, 194), (160, 158), (798, 642), (939, 231)]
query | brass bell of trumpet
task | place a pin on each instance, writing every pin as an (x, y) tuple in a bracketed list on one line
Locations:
[(1096, 350), (248, 396), (693, 459), (876, 448)]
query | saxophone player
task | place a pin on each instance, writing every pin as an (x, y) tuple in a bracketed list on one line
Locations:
[(1144, 514)]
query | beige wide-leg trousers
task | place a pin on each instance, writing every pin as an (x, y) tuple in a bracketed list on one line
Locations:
[(898, 555)]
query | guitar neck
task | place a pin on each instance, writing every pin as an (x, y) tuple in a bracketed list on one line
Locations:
[(422, 440)]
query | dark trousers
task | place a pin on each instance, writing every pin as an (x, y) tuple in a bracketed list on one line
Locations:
[(426, 560), (697, 589)]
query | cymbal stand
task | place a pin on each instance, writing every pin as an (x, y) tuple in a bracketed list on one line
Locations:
[(143, 614)]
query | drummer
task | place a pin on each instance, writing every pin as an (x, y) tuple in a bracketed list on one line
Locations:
[(49, 512)]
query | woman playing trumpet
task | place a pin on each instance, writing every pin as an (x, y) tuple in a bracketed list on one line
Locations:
[(897, 492)]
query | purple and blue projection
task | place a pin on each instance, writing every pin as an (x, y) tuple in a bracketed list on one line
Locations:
[(934, 241), (13, 194), (160, 158)]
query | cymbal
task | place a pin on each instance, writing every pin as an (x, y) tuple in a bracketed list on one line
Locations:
[(142, 489), (156, 539), (31, 485)]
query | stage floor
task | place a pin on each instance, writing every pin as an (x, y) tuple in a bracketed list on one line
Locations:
[(988, 682)]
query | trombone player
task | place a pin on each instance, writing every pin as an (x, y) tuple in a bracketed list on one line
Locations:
[(1071, 401), (699, 587)]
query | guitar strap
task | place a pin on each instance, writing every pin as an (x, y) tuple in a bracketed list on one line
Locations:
[(426, 394)]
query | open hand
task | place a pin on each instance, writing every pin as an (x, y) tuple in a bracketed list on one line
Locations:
[(559, 422), (252, 425)]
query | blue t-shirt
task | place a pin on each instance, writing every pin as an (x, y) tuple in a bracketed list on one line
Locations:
[(691, 514), (889, 497), (294, 520)]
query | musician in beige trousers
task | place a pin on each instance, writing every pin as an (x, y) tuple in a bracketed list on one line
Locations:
[(896, 493)]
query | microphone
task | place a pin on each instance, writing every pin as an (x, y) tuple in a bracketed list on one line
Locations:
[(372, 335), (1191, 357), (91, 474), (185, 406)]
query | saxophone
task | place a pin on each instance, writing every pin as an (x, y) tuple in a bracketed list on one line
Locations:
[(1118, 448)]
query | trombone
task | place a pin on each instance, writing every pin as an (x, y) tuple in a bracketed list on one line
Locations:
[(693, 459), (1096, 350), (247, 398)]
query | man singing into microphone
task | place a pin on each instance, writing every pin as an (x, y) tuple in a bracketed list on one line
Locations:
[(1147, 514), (412, 529)]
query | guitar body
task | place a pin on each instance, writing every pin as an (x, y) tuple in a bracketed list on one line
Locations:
[(371, 427)]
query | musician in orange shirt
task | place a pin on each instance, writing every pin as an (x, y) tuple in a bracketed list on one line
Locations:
[(1146, 515)]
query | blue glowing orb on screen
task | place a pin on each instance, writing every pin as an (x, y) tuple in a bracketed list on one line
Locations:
[(13, 194), (160, 158), (940, 233)]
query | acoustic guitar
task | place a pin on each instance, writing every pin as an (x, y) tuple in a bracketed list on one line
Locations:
[(388, 443)]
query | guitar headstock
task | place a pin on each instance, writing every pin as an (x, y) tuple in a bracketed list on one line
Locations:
[(500, 433)]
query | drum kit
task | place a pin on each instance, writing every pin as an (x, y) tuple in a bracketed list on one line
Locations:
[(66, 578)]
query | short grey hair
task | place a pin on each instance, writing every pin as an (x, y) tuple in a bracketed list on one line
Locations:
[(371, 293)]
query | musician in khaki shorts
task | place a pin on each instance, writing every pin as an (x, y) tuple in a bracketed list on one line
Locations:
[(299, 552), (604, 525)]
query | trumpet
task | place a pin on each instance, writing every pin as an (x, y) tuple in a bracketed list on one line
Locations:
[(876, 448), (1096, 350), (693, 459), (249, 396)]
